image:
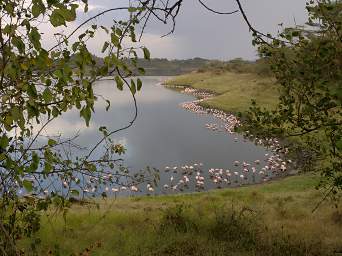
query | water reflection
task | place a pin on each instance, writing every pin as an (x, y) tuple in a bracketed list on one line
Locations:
[(167, 136)]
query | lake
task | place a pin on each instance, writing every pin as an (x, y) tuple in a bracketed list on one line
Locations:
[(166, 135)]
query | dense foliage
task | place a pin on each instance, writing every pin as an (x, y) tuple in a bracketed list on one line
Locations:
[(307, 63)]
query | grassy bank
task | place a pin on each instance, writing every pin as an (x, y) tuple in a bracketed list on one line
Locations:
[(234, 91), (270, 219)]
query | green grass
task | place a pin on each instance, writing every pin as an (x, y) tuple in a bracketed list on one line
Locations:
[(234, 91), (268, 219)]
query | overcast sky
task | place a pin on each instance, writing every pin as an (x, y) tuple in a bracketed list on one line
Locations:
[(200, 33)]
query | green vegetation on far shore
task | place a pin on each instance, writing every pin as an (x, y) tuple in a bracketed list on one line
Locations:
[(233, 91), (266, 219)]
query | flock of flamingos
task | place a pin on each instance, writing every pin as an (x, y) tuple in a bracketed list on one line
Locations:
[(192, 175)]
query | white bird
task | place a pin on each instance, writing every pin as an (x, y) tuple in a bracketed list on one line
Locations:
[(134, 189)]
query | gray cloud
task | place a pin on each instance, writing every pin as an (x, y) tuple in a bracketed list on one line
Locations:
[(204, 34), (200, 33)]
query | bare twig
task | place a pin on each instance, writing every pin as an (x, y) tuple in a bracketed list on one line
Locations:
[(214, 11)]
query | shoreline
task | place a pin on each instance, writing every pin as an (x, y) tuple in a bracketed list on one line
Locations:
[(231, 122)]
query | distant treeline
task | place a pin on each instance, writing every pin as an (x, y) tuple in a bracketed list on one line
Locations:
[(165, 67), (238, 65)]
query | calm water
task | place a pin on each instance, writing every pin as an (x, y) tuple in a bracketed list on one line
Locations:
[(164, 134)]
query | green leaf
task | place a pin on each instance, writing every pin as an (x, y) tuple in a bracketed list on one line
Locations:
[(56, 19), (133, 87), (35, 162), (16, 114), (47, 95), (105, 46), (52, 142), (118, 31), (70, 15), (115, 40), (132, 9), (9, 7), (38, 8), (4, 141), (17, 42), (86, 114), (119, 83), (8, 122), (141, 71), (27, 185), (139, 84), (147, 54), (47, 167), (55, 112), (75, 46), (9, 29), (132, 35), (91, 167), (31, 90)]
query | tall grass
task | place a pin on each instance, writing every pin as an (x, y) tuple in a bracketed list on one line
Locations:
[(269, 219)]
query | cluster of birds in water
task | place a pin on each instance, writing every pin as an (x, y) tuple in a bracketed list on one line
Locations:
[(230, 122), (274, 164), (192, 176)]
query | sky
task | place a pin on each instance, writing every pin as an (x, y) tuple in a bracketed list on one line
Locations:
[(200, 33)]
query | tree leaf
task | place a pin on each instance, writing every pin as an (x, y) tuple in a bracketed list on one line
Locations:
[(56, 19), (4, 141), (147, 54), (86, 114), (115, 40), (47, 95), (35, 38), (133, 87), (38, 8), (17, 42), (119, 83), (105, 46), (16, 114), (139, 84), (28, 186), (52, 142)]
